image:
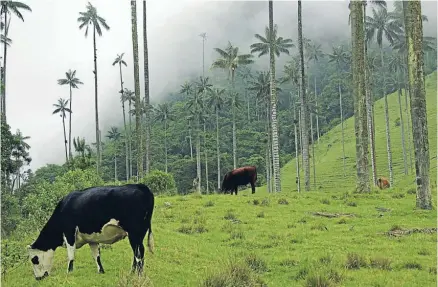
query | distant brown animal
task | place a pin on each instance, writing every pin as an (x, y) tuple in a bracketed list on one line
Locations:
[(382, 182), (239, 176)]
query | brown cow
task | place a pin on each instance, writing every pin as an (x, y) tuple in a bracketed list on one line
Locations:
[(239, 176), (383, 182)]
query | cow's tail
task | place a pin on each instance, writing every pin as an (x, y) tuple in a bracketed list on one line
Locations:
[(149, 231), (255, 171)]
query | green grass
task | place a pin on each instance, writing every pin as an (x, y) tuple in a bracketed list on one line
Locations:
[(247, 239)]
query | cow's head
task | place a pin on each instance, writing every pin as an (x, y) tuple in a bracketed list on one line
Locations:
[(225, 183), (41, 261)]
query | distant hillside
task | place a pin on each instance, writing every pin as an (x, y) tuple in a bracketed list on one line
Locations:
[(328, 153)]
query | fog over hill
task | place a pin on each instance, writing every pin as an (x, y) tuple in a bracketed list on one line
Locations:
[(49, 42)]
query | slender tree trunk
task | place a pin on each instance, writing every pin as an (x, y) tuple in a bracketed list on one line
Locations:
[(190, 141), (313, 151), (297, 157), (234, 121), (317, 110), (165, 143), (5, 52), (268, 150), (206, 158), (300, 130), (414, 40), (218, 152), (407, 119), (69, 130), (342, 126), (247, 105), (198, 155), (360, 113), (146, 90), (96, 103), (138, 128), (130, 139), (115, 167), (124, 124), (304, 107), (65, 138), (402, 130), (388, 135), (275, 143)]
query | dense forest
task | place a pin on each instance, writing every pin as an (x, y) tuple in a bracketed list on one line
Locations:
[(234, 113)]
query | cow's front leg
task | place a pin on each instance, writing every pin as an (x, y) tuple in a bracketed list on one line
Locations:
[(95, 252), (69, 239), (235, 190)]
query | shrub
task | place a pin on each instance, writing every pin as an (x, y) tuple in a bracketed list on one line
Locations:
[(160, 182), (355, 261)]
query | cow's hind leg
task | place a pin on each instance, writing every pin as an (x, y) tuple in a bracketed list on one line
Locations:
[(252, 187), (136, 241), (235, 190), (69, 239), (95, 252)]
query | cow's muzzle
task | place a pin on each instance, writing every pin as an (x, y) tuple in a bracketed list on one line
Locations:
[(42, 277)]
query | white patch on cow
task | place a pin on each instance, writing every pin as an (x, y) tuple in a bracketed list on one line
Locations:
[(111, 233), (44, 259), (95, 252)]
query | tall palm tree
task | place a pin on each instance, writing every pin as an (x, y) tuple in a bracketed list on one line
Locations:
[(114, 135), (360, 111), (396, 65), (339, 56), (216, 101), (20, 152), (187, 89), (378, 26), (72, 82), (204, 87), (146, 90), (315, 54), (61, 108), (414, 33), (274, 46), (119, 60), (303, 102), (230, 60), (8, 8), (138, 115), (87, 18), (164, 113)]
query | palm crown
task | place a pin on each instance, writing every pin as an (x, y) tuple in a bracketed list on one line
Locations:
[(61, 107), (91, 17), (279, 44), (70, 79), (230, 58)]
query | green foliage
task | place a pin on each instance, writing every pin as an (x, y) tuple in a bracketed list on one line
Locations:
[(160, 182)]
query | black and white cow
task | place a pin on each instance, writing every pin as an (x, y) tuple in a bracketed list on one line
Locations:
[(104, 214)]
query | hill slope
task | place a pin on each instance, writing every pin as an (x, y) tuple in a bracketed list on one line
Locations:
[(328, 153)]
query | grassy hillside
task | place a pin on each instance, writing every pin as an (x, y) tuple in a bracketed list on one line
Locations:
[(328, 153), (276, 238)]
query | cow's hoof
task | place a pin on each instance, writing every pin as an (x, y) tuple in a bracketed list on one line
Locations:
[(101, 271)]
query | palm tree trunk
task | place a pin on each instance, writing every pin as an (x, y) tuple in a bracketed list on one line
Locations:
[(138, 128), (233, 103), (198, 156), (300, 131), (218, 152), (402, 130), (304, 107), (360, 115), (190, 141), (388, 135), (95, 103), (124, 124), (115, 167), (275, 143), (247, 105), (369, 106), (342, 126), (5, 50), (146, 90), (297, 157), (407, 95), (165, 143), (206, 159), (316, 105), (414, 40), (130, 139), (313, 151), (69, 130), (65, 137), (268, 150)]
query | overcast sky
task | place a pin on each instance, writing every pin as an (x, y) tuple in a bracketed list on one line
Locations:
[(49, 43)]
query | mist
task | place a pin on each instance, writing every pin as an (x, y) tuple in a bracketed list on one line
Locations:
[(49, 42)]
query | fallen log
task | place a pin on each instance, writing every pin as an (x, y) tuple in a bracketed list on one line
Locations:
[(332, 215), (401, 232)]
